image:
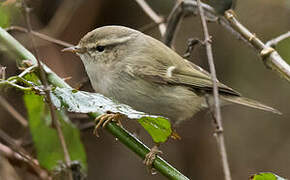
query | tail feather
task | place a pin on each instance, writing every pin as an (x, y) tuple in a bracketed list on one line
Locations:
[(250, 103)]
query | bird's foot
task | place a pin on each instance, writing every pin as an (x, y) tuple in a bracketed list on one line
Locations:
[(103, 120), (174, 135), (150, 157)]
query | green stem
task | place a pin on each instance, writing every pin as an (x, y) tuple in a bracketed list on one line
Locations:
[(141, 150), (6, 82), (20, 53)]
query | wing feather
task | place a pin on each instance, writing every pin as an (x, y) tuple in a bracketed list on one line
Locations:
[(184, 72)]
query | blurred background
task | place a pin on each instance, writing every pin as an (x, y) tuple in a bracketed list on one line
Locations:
[(256, 141)]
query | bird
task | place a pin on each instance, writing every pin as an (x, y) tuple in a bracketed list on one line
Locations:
[(140, 71)]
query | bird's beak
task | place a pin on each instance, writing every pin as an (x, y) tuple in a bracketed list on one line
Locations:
[(74, 49)]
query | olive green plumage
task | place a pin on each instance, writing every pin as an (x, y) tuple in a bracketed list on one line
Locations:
[(140, 71)]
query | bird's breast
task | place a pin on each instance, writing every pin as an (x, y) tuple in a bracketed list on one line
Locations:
[(175, 102), (101, 77)]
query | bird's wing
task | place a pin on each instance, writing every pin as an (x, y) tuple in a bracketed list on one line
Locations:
[(182, 74), (167, 67)]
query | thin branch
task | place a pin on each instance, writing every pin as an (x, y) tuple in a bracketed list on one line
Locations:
[(13, 112), (27, 70), (270, 56), (174, 20), (275, 41), (149, 26), (14, 79), (40, 35), (217, 111), (47, 94), (141, 150), (190, 7), (21, 154), (191, 44), (180, 10), (153, 15)]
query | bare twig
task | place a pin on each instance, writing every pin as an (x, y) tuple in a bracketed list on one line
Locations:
[(174, 20), (18, 160), (20, 153), (178, 12), (191, 44), (275, 41), (13, 112), (13, 80), (27, 71), (190, 7), (269, 55), (40, 35), (149, 26), (47, 93), (217, 111), (152, 14)]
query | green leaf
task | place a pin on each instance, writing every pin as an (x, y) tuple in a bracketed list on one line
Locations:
[(266, 176), (83, 102), (8, 13), (45, 138), (159, 128), (4, 17)]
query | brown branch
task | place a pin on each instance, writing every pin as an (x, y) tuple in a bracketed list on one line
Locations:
[(270, 56), (153, 15), (17, 152), (40, 35), (13, 112), (43, 80), (173, 20), (190, 7), (275, 41), (180, 10), (149, 26), (217, 111)]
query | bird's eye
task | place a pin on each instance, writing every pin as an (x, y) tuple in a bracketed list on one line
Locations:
[(100, 48)]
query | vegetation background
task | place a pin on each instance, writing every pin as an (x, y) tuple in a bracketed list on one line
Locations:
[(256, 141)]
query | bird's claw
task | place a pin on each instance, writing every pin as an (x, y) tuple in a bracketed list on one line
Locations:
[(104, 119), (150, 157), (174, 135)]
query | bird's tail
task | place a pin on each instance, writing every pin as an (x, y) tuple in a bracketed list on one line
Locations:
[(250, 103)]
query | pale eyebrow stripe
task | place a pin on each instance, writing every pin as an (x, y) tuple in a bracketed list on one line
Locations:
[(114, 41)]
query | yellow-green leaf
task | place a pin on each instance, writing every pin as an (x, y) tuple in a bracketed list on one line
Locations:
[(45, 138), (266, 176), (159, 128)]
